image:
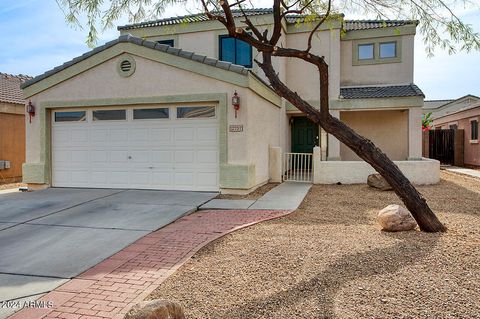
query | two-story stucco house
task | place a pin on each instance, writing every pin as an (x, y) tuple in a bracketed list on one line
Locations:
[(153, 109)]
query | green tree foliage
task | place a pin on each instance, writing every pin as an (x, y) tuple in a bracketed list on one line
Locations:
[(440, 24)]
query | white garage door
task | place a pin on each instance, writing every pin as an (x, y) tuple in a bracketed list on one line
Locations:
[(172, 147)]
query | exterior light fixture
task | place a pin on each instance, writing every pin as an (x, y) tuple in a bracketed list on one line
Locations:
[(30, 110), (236, 102)]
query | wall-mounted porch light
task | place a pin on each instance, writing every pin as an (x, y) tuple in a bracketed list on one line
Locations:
[(30, 110), (236, 102)]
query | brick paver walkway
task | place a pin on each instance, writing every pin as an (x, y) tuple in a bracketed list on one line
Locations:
[(112, 287)]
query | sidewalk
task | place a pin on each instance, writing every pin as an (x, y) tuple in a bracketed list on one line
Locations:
[(111, 288), (464, 171), (286, 196)]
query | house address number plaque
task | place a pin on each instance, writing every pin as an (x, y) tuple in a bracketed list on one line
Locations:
[(235, 128)]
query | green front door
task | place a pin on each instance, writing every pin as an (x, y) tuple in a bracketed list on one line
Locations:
[(304, 135)]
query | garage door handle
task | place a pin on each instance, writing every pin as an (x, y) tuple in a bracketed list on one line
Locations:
[(129, 157)]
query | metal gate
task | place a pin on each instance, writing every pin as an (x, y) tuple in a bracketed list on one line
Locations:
[(298, 167), (442, 145)]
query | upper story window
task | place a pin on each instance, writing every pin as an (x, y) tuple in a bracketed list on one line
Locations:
[(388, 50), (366, 51), (235, 51), (473, 131), (376, 51), (169, 42)]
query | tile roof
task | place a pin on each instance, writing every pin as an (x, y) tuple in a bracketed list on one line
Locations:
[(10, 88), (354, 25), (369, 92), (127, 38), (349, 25), (199, 17)]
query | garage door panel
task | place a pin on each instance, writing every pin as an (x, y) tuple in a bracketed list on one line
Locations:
[(80, 136), (207, 157), (98, 177), (139, 135), (207, 134), (99, 136), (141, 178), (80, 156), (140, 157), (184, 134), (145, 154), (118, 178), (161, 136), (99, 156), (118, 135), (162, 157), (81, 176), (184, 157), (119, 156)]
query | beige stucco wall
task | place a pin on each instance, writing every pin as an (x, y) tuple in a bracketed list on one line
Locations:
[(263, 130), (420, 172), (156, 79), (387, 129), (203, 38), (303, 77), (387, 73)]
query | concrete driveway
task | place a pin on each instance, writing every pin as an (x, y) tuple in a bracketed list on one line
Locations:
[(50, 236)]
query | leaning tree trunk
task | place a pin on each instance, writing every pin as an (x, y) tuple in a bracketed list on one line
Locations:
[(364, 148)]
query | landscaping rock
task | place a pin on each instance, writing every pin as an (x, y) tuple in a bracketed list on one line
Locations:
[(396, 218), (377, 181), (156, 309)]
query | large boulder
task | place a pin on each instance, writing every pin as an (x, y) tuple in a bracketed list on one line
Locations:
[(377, 181), (396, 218), (156, 309)]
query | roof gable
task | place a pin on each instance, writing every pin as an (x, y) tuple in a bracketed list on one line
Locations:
[(10, 88), (160, 48), (163, 54), (455, 106)]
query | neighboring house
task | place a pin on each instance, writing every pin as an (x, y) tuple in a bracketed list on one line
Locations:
[(145, 111), (12, 127), (462, 114)]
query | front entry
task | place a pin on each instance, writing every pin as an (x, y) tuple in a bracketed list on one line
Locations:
[(304, 135)]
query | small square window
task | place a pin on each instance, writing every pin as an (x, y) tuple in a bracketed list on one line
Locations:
[(474, 130), (388, 50), (147, 114), (109, 115), (168, 42), (235, 51), (79, 116), (365, 51), (195, 112)]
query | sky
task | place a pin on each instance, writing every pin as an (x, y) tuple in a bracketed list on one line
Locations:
[(36, 38)]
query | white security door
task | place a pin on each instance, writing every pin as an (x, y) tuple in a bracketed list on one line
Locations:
[(173, 148)]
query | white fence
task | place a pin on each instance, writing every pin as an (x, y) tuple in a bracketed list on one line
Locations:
[(298, 167)]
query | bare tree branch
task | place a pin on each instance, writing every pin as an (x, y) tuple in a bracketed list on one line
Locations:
[(322, 20)]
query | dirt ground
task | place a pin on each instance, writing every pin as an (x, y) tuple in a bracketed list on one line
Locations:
[(329, 259), (256, 194)]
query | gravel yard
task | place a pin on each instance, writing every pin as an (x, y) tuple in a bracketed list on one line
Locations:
[(329, 259)]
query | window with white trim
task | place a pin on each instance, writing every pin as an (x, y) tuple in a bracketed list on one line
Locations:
[(474, 130)]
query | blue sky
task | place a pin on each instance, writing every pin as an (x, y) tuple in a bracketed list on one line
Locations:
[(36, 38)]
